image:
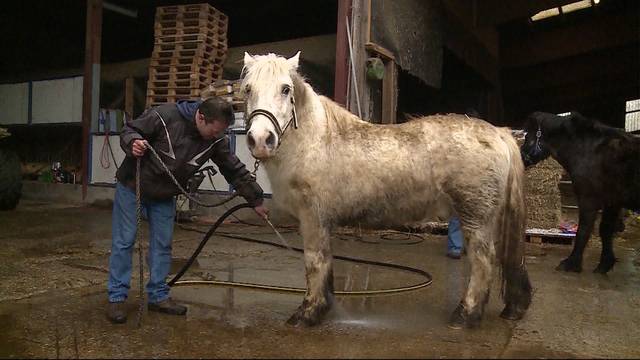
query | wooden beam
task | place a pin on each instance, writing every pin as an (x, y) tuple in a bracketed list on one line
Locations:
[(91, 82), (379, 50), (342, 53), (602, 32)]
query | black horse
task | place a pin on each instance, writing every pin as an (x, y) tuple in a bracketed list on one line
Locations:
[(604, 165)]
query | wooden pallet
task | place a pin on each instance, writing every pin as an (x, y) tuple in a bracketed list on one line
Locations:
[(195, 62), (213, 55), (538, 237), (177, 83), (187, 23), (162, 71), (190, 45), (167, 92), (158, 99), (178, 9), (191, 15), (213, 33), (197, 38)]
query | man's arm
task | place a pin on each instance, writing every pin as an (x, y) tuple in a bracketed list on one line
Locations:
[(143, 127), (236, 173)]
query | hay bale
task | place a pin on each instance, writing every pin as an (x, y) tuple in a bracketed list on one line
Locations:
[(542, 194)]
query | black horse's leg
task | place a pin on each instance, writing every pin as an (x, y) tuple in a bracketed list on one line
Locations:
[(318, 263), (585, 226), (608, 226)]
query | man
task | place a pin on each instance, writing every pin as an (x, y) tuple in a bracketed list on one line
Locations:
[(454, 238), (185, 135)]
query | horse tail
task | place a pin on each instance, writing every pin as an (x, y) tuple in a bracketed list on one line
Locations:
[(516, 288)]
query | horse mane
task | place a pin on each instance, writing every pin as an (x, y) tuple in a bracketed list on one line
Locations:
[(338, 115)]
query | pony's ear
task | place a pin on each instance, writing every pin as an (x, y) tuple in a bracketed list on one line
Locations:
[(294, 60), (248, 59)]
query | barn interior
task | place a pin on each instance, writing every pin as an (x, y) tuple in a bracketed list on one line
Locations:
[(496, 60)]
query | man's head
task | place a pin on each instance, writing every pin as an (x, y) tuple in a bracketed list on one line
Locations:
[(213, 117)]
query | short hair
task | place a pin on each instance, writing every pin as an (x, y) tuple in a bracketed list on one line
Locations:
[(217, 109)]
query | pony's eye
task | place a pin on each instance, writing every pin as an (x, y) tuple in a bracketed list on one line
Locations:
[(247, 89), (286, 90)]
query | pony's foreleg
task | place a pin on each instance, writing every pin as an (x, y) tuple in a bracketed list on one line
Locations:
[(587, 218), (481, 254), (319, 272)]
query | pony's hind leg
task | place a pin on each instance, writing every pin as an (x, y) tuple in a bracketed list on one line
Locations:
[(608, 226), (319, 272), (481, 254)]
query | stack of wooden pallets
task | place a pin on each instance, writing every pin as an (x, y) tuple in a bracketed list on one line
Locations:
[(189, 52), (226, 89)]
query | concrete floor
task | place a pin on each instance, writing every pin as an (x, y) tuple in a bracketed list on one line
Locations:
[(53, 261)]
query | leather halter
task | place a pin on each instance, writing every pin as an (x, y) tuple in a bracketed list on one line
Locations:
[(266, 113)]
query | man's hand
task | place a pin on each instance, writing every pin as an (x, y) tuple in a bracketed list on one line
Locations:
[(139, 147), (262, 211)]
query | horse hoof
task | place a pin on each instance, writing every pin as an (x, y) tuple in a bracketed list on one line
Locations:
[(569, 266), (460, 318), (512, 312), (307, 316), (603, 268)]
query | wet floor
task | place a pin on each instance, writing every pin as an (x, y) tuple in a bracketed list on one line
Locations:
[(53, 261)]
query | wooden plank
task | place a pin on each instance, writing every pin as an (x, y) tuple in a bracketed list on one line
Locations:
[(379, 50)]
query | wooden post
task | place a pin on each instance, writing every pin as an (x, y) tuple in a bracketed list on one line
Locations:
[(91, 82), (342, 53), (128, 97)]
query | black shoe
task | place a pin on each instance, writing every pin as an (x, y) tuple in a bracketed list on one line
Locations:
[(168, 307), (454, 255), (116, 313)]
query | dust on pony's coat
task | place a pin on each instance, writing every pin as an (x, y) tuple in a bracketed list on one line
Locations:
[(362, 160), (337, 169)]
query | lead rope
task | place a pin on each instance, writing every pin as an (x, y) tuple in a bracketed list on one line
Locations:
[(182, 190), (139, 241)]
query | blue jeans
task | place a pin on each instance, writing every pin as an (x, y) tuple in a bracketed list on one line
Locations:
[(160, 215), (455, 240)]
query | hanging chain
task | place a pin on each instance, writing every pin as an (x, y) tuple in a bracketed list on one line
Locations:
[(254, 173)]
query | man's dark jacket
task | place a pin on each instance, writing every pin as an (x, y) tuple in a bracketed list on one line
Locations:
[(172, 132)]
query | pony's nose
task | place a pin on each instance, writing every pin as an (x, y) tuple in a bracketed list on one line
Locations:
[(271, 140), (250, 140)]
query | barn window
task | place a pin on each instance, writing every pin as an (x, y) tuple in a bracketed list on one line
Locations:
[(555, 11), (632, 116)]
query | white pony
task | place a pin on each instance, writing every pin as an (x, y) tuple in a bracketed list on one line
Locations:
[(327, 167)]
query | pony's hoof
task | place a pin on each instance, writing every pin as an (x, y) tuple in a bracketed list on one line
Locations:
[(604, 268), (569, 266), (512, 312), (307, 316), (460, 318)]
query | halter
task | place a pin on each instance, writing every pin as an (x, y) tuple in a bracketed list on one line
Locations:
[(537, 149), (280, 131)]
